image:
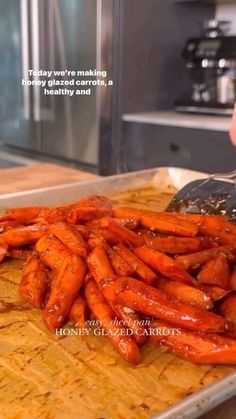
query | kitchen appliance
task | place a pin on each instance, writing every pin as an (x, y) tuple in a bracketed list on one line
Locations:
[(211, 61), (55, 35)]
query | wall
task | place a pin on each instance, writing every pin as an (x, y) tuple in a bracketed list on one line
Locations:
[(227, 12)]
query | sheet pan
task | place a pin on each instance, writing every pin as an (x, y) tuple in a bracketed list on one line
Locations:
[(210, 396)]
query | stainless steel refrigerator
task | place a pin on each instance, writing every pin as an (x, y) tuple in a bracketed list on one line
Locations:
[(56, 34)]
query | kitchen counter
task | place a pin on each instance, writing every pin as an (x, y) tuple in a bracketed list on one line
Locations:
[(41, 175), (185, 120)]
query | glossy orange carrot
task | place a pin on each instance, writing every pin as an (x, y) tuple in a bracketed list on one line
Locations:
[(215, 293), (96, 201), (3, 249), (215, 272), (125, 345), (162, 263), (25, 215), (178, 245), (79, 312), (129, 222), (18, 253), (82, 229), (100, 267), (153, 302), (65, 287), (34, 282), (71, 238), (196, 260), (228, 308), (159, 221), (51, 251), (139, 267), (121, 233), (200, 348), (95, 240), (232, 280), (212, 225), (56, 215), (185, 293), (21, 236), (8, 225), (119, 264)]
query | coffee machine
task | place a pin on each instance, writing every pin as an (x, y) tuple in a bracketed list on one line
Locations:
[(211, 61)]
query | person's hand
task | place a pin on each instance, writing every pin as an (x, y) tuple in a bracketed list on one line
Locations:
[(232, 131)]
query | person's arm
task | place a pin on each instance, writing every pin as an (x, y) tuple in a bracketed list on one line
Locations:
[(232, 132)]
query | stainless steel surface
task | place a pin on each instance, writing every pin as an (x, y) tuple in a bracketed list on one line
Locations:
[(58, 35), (16, 123), (202, 401)]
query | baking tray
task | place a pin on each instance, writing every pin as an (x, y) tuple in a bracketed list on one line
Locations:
[(164, 179)]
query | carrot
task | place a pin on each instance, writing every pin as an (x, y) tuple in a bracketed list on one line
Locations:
[(185, 293), (119, 264), (100, 267), (163, 264), (56, 215), (178, 245), (95, 201), (70, 238), (18, 253), (95, 240), (196, 260), (142, 270), (232, 280), (79, 312), (34, 282), (65, 287), (21, 236), (129, 222), (82, 229), (153, 302), (122, 233), (212, 225), (51, 251), (215, 272), (228, 308), (125, 345), (215, 293), (8, 225), (25, 215), (200, 348), (160, 221), (3, 249)]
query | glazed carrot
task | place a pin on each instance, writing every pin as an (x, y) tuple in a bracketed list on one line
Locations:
[(95, 240), (215, 293), (101, 268), (119, 264), (201, 348), (142, 270), (185, 293), (96, 201), (163, 264), (215, 272), (122, 233), (3, 249), (153, 302), (18, 253), (132, 321), (25, 215), (56, 215), (82, 229), (125, 345), (99, 264), (129, 222), (65, 287), (51, 251), (195, 260), (34, 282), (212, 225), (228, 308), (21, 236), (159, 221), (79, 312), (8, 225), (232, 280), (70, 238), (178, 245)]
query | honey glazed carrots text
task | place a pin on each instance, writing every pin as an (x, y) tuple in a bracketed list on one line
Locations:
[(141, 274)]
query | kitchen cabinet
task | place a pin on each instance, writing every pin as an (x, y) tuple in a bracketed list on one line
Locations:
[(148, 145)]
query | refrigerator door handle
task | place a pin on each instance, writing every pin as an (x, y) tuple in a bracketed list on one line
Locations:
[(35, 36), (24, 16)]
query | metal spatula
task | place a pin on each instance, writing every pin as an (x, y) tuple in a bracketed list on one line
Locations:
[(214, 195)]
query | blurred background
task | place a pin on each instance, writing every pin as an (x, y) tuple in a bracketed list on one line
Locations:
[(173, 65)]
